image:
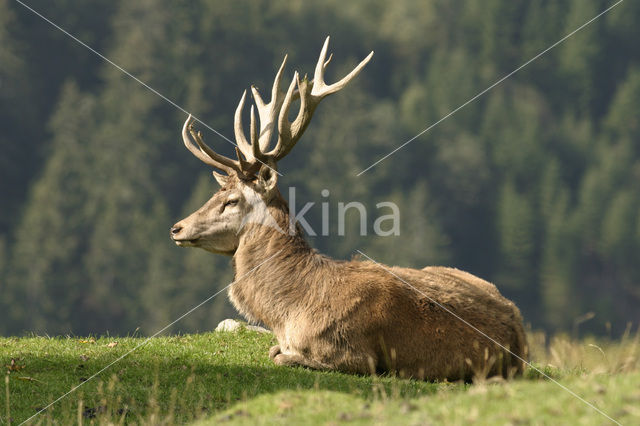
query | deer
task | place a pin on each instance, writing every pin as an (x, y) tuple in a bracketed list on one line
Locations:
[(353, 316)]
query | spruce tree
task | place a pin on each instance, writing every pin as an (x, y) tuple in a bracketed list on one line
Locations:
[(45, 281)]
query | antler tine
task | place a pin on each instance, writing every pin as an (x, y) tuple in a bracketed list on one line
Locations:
[(203, 152), (318, 74), (268, 113), (285, 134), (255, 144), (197, 136), (328, 60), (320, 88), (244, 165), (241, 139)]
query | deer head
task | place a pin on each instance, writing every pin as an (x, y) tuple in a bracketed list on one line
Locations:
[(248, 183)]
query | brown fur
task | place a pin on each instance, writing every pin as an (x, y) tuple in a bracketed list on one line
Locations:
[(357, 317)]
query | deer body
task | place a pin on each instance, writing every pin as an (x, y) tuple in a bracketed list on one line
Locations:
[(351, 316)]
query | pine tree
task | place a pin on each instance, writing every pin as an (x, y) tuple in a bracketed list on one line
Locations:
[(421, 241), (131, 217), (45, 281), (560, 294), (578, 56), (516, 221), (16, 138)]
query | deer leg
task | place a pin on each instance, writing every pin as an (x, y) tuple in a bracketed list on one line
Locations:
[(296, 360), (275, 350)]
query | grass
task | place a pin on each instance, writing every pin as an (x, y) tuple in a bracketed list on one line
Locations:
[(228, 378)]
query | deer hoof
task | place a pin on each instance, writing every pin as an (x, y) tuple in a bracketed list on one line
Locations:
[(283, 359)]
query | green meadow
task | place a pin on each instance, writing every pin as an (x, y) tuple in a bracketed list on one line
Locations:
[(228, 378)]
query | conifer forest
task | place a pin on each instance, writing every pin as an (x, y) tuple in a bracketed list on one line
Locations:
[(534, 185)]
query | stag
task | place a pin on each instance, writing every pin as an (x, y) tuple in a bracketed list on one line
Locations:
[(352, 316)]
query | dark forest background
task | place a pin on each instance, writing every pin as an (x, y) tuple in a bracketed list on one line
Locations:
[(534, 186)]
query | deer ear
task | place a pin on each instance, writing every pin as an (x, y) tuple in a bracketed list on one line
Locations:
[(268, 177), (221, 179)]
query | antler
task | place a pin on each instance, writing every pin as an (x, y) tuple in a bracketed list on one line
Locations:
[(255, 151), (207, 155)]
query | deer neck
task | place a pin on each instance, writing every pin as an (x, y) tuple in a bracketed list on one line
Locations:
[(270, 264)]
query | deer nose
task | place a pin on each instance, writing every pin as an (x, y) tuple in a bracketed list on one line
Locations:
[(175, 229)]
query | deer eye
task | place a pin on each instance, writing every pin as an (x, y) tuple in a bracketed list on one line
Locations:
[(231, 202)]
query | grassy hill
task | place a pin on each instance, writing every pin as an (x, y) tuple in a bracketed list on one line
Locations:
[(228, 378)]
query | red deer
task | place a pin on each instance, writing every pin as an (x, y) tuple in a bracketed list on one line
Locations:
[(351, 316)]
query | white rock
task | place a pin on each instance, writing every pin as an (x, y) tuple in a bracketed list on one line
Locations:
[(233, 325)]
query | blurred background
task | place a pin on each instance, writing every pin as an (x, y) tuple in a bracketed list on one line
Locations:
[(534, 186)]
